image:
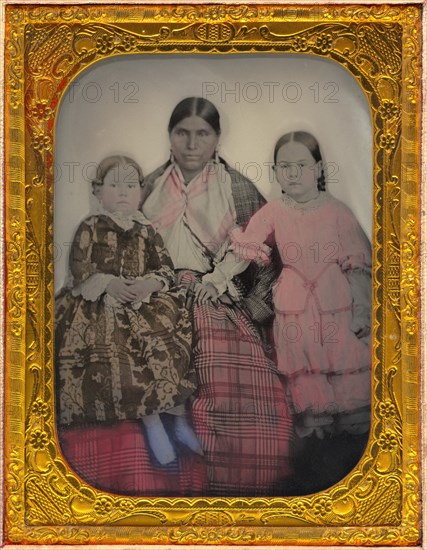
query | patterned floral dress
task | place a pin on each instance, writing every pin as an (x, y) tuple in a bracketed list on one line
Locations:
[(115, 361)]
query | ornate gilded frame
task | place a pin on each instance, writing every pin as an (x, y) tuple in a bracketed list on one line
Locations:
[(378, 503)]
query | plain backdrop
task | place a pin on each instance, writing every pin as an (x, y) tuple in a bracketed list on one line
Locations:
[(122, 105)]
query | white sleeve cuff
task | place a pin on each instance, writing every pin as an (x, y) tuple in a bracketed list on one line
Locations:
[(93, 287), (222, 276)]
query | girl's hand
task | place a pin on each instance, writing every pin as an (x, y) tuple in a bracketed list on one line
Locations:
[(205, 292), (364, 331), (360, 327), (119, 289), (141, 289)]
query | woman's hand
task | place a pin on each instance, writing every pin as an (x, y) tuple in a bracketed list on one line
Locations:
[(225, 299), (205, 292)]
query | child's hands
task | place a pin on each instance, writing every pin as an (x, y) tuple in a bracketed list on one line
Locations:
[(119, 289), (141, 289)]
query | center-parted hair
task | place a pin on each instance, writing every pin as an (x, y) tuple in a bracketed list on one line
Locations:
[(195, 106), (312, 145), (112, 162)]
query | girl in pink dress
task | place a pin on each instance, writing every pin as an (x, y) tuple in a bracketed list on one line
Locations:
[(322, 297)]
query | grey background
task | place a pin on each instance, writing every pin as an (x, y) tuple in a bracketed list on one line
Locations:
[(123, 104)]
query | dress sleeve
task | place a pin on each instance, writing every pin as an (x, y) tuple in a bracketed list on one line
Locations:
[(245, 246), (81, 265), (250, 244), (222, 276), (159, 263), (356, 263), (355, 249), (87, 281)]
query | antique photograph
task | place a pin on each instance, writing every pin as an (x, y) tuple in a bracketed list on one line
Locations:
[(212, 266), (213, 262)]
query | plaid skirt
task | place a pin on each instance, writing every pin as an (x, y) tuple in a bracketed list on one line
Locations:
[(240, 413), (117, 459)]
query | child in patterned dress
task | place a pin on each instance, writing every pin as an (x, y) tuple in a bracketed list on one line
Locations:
[(123, 334)]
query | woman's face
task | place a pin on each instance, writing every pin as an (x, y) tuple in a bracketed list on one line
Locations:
[(121, 190), (193, 144), (297, 171)]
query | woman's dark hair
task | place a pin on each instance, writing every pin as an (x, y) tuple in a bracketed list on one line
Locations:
[(112, 162), (195, 106), (312, 145)]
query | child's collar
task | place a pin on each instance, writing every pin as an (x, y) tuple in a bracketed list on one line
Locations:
[(122, 219)]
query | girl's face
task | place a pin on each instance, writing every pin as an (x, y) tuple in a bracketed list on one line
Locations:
[(121, 191), (297, 171), (193, 143)]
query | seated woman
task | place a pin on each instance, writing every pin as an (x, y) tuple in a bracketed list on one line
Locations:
[(240, 413)]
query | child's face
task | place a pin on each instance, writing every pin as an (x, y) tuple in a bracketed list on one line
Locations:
[(297, 171), (121, 191)]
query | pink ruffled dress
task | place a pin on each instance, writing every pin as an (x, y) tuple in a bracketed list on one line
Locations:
[(322, 298)]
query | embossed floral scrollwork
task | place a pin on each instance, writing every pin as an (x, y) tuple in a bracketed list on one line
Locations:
[(42, 142), (215, 536), (40, 408), (300, 44), (105, 43), (103, 506), (38, 439), (387, 409), (41, 110), (387, 142), (388, 110), (322, 507), (387, 441), (215, 12), (128, 43), (239, 12), (16, 278), (49, 535), (298, 508), (126, 505), (324, 42), (190, 13)]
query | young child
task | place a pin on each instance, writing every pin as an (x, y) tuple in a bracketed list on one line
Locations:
[(122, 335), (322, 298)]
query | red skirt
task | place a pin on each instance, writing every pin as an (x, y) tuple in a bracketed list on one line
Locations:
[(116, 459)]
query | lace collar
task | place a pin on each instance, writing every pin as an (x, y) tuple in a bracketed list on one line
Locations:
[(122, 219), (312, 204)]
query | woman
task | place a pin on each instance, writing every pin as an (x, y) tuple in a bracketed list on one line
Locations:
[(240, 413)]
